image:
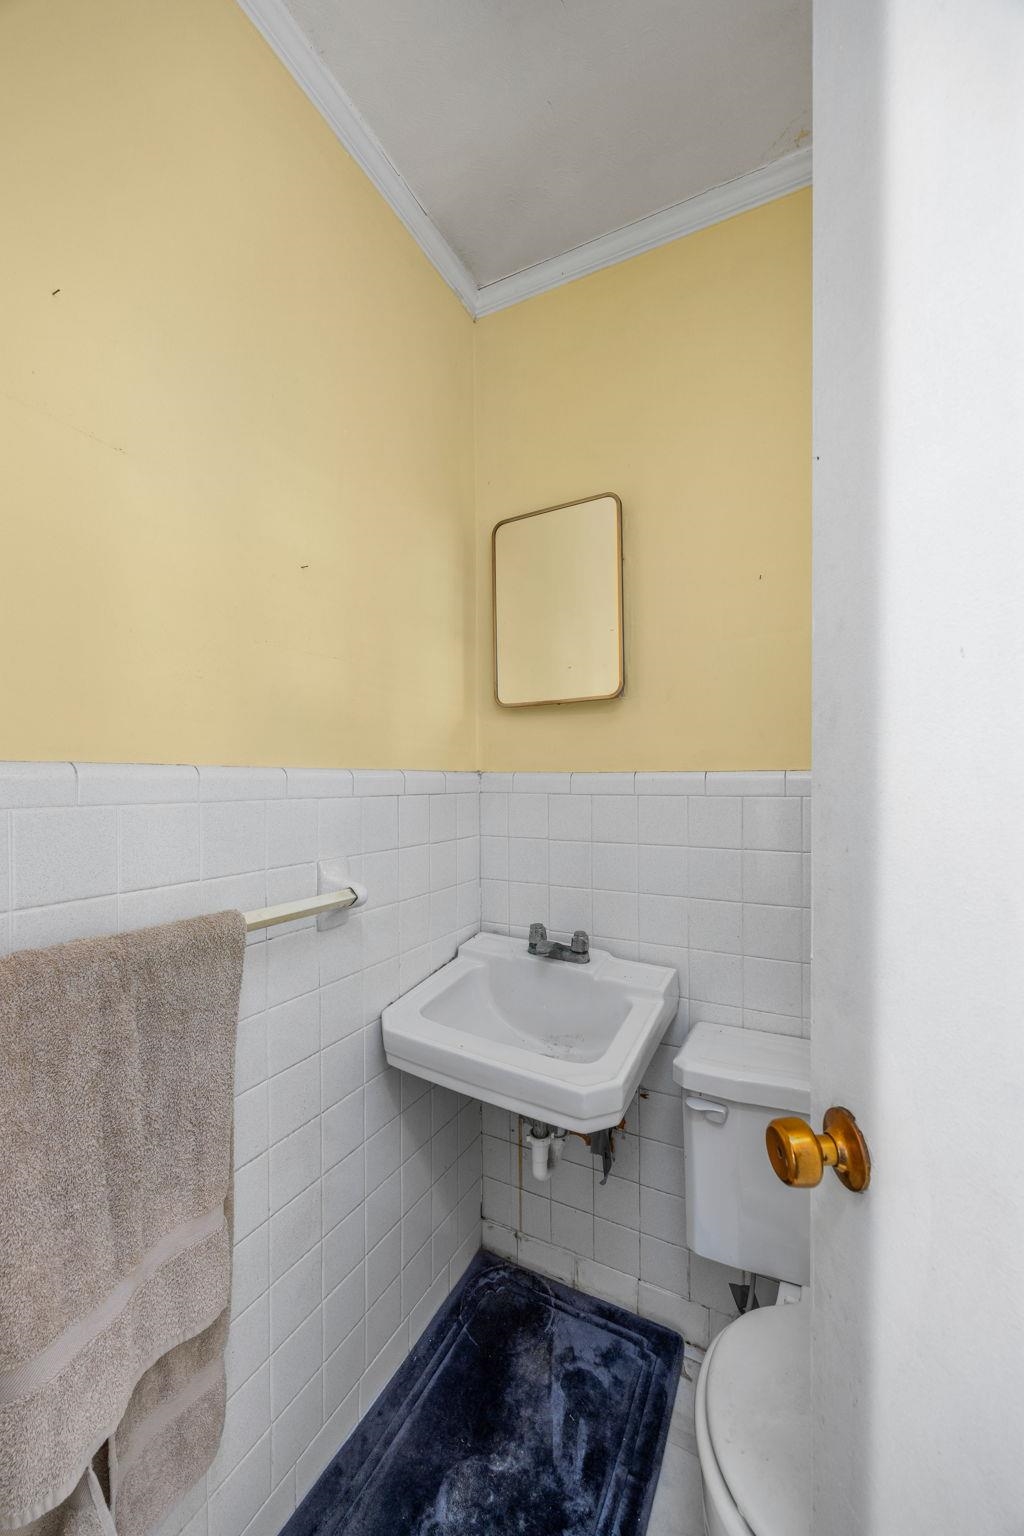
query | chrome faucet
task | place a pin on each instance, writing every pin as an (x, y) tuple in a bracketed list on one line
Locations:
[(578, 950)]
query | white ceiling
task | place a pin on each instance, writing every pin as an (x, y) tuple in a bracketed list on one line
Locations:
[(526, 128)]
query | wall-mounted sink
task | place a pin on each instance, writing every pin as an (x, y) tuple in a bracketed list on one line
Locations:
[(563, 1044)]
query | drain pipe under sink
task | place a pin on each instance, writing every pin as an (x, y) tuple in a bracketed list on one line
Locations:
[(546, 1146)]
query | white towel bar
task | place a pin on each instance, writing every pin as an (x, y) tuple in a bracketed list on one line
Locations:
[(313, 906)]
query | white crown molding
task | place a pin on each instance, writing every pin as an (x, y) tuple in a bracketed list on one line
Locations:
[(761, 186), (280, 29), (284, 35)]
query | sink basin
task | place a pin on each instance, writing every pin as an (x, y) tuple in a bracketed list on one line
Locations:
[(561, 1043)]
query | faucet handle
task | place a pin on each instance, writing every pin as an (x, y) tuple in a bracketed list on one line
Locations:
[(580, 942), (538, 933)]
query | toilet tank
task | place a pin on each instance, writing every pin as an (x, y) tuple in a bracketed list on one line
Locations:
[(737, 1212)]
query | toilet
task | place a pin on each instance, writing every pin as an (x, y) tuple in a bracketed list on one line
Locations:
[(752, 1403)]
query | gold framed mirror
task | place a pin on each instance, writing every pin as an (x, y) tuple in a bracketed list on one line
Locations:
[(557, 603)]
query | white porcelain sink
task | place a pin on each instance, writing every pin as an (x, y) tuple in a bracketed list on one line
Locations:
[(562, 1043)]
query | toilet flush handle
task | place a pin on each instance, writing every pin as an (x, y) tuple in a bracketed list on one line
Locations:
[(800, 1157), (709, 1108)]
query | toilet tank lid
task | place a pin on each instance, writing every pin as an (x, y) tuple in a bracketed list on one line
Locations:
[(746, 1066)]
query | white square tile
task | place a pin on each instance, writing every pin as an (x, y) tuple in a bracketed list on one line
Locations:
[(715, 874), (716, 925), (617, 1246), (528, 816), (294, 1429), (663, 871), (610, 1284), (569, 909), (294, 1230), (569, 818), (661, 1119), (773, 823), (292, 965), (527, 903), (618, 1200), (294, 1164), (614, 818), (63, 855), (494, 814), (663, 920), (443, 819), (528, 859), (341, 1128), (343, 1248), (663, 819), (716, 978), (773, 933), (295, 1362), (240, 1496), (291, 832), (380, 823), (775, 879), (340, 828), (343, 1367), (342, 1190), (250, 1124), (715, 822), (295, 1296), (798, 782), (383, 1265), (572, 1229), (468, 823), (294, 1097), (413, 820), (772, 986), (343, 1309), (246, 1421), (37, 927), (664, 1264), (383, 1318), (383, 1209), (663, 1215), (615, 915), (614, 866), (443, 865), (233, 838)]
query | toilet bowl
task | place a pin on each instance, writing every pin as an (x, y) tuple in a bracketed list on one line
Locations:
[(753, 1425)]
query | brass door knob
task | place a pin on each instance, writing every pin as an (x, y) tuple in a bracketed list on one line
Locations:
[(800, 1157)]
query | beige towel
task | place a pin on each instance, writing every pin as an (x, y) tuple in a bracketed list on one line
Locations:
[(116, 1099)]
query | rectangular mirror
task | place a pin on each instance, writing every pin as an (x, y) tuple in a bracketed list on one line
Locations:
[(557, 579)]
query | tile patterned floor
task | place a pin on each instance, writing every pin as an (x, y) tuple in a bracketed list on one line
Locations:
[(677, 1506)]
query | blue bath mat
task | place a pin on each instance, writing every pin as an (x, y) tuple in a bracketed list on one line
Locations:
[(526, 1408)]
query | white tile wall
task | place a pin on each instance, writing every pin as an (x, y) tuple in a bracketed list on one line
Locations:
[(357, 1195), (707, 873), (358, 1191)]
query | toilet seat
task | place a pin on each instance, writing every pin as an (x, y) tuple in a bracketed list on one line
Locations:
[(753, 1425)]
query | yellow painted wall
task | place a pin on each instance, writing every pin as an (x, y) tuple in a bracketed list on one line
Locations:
[(681, 380), (236, 445), (238, 517)]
